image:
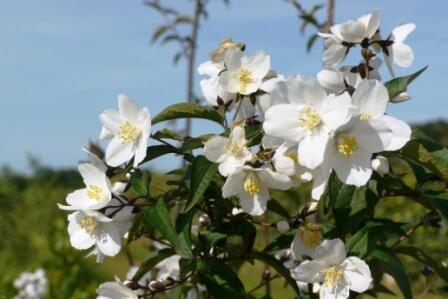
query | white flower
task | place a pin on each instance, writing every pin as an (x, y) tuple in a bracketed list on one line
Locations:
[(335, 50), (244, 74), (336, 81), (337, 273), (252, 186), (97, 193), (306, 241), (286, 258), (356, 31), (350, 150), (218, 55), (169, 267), (210, 87), (309, 119), (230, 152), (380, 164), (115, 290), (129, 127), (351, 32), (370, 101), (31, 285), (399, 52), (143, 281), (87, 229)]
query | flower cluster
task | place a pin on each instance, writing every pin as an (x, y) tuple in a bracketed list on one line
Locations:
[(285, 130), (101, 215), (31, 285)]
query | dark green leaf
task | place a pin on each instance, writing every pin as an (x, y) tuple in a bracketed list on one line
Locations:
[(399, 84), (151, 261), (188, 110), (281, 242), (278, 266), (191, 143), (438, 201), (159, 218), (395, 268), (220, 280), (183, 228), (202, 172), (155, 151)]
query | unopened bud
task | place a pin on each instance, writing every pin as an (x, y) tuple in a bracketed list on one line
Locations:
[(380, 165), (156, 286), (204, 220), (282, 226), (403, 96)]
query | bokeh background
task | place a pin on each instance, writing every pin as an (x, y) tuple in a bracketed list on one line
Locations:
[(63, 62)]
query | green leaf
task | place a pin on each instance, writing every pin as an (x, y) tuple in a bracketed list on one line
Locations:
[(419, 255), (278, 266), (191, 143), (159, 217), (220, 280), (400, 84), (188, 110), (151, 261), (202, 173), (394, 267), (140, 182), (167, 134), (155, 151), (158, 33), (183, 228), (364, 241)]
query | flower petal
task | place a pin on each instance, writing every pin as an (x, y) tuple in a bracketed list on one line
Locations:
[(401, 133), (255, 204), (283, 121), (215, 148), (258, 64), (370, 97), (310, 271), (331, 252), (357, 274), (312, 149), (274, 180), (402, 54), (128, 108), (233, 185), (118, 152), (400, 33)]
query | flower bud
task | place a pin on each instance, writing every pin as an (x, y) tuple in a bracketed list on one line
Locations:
[(282, 226), (156, 286), (204, 220), (266, 275), (403, 96), (380, 165), (131, 284)]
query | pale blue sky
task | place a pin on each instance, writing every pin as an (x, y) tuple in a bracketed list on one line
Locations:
[(63, 62)]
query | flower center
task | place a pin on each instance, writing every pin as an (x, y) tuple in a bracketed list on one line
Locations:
[(311, 235), (89, 224), (366, 116), (347, 145), (252, 184), (236, 149), (94, 192), (244, 77), (309, 118), (333, 277), (128, 132), (226, 44)]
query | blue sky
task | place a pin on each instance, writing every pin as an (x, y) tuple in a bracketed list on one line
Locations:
[(63, 62)]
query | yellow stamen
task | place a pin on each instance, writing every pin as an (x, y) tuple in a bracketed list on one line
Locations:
[(311, 235), (94, 192), (347, 145), (333, 277), (366, 116), (309, 118), (128, 132), (244, 77), (89, 224), (252, 184)]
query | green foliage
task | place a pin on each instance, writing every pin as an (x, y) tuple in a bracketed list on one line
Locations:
[(400, 84), (188, 110)]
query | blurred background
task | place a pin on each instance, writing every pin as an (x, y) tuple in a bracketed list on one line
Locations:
[(63, 62)]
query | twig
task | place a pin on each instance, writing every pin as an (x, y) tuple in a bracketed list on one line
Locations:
[(408, 234), (261, 284)]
